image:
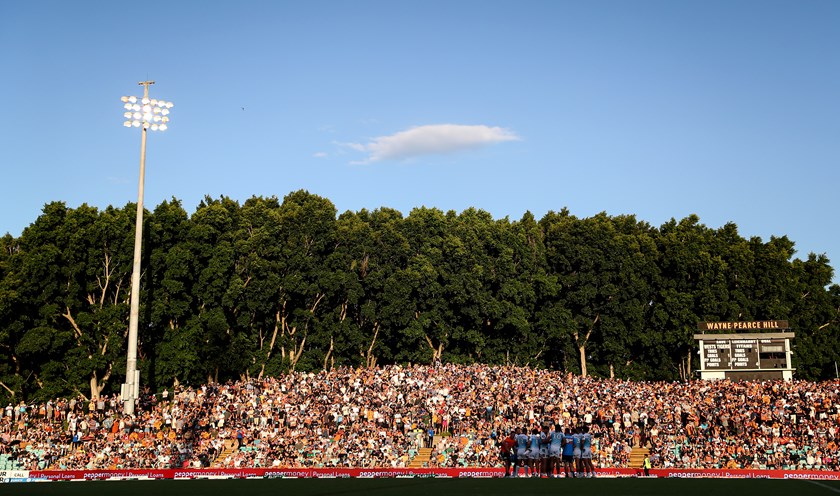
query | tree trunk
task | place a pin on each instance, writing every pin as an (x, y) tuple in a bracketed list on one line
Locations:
[(329, 353), (294, 355), (12, 393), (436, 352), (77, 332), (273, 340), (94, 388), (297, 350), (97, 385), (582, 350), (581, 343), (688, 364), (370, 360)]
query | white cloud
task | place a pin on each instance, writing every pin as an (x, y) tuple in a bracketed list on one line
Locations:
[(320, 155), (432, 139), (353, 146)]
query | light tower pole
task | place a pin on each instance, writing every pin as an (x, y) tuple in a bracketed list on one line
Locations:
[(147, 114)]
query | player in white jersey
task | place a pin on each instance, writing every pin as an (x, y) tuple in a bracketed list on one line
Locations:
[(545, 439), (521, 451), (555, 449), (586, 453), (576, 439), (534, 453)]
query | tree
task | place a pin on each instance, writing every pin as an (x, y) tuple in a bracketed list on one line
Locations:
[(689, 289), (12, 319), (168, 298), (237, 291), (211, 333), (605, 267), (815, 317), (75, 268), (302, 236)]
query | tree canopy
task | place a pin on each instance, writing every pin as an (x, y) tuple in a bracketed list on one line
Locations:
[(253, 289)]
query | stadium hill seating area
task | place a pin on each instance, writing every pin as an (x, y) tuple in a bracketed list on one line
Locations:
[(445, 415)]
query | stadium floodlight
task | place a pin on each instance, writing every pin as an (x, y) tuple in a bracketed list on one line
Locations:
[(139, 112), (143, 113)]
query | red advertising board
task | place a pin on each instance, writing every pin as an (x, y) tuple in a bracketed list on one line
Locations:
[(242, 473)]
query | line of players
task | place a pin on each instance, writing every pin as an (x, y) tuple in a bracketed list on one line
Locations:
[(541, 453)]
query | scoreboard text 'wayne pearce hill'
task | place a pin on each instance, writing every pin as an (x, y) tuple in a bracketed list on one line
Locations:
[(755, 325)]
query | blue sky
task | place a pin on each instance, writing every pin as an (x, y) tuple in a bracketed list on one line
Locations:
[(726, 109)]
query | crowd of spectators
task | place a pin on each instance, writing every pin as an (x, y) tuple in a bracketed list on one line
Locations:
[(382, 416)]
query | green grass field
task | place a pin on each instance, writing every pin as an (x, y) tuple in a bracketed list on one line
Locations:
[(430, 487)]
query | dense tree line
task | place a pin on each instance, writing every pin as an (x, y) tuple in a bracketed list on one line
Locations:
[(254, 289)]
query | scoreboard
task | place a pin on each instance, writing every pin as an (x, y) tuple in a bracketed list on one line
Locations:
[(741, 353), (759, 355)]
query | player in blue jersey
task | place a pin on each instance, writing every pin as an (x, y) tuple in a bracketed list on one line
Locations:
[(568, 453), (555, 450), (576, 441), (586, 453)]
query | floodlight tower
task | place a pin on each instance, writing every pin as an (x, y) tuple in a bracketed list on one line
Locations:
[(146, 114)]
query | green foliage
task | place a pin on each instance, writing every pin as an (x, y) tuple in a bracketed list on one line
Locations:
[(247, 290)]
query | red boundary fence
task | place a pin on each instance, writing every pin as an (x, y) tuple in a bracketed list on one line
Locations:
[(242, 473)]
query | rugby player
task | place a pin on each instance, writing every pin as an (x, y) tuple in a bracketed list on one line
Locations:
[(568, 453), (555, 449), (534, 452), (506, 451), (577, 437), (545, 439), (521, 451), (586, 453)]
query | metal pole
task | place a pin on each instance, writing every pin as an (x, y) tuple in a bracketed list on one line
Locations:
[(131, 377)]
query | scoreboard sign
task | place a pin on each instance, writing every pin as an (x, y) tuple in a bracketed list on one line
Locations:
[(754, 325), (743, 355), (739, 353)]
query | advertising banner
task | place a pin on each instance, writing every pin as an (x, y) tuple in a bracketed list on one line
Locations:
[(244, 473), (14, 475)]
